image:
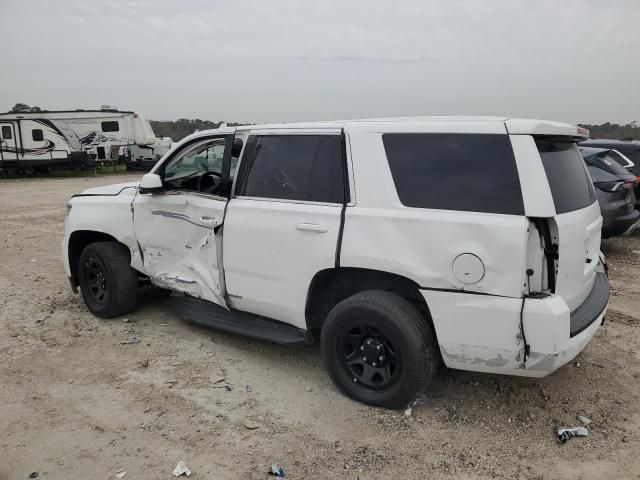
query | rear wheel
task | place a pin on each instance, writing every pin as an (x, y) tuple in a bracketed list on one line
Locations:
[(378, 349), (108, 284)]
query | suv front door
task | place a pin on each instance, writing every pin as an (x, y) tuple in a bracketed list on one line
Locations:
[(282, 223), (179, 230)]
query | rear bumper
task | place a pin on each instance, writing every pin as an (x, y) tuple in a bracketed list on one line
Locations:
[(482, 333)]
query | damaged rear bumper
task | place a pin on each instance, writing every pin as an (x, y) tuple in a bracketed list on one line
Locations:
[(482, 333)]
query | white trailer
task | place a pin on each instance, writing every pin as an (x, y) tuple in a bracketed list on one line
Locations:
[(101, 132), (36, 144), (146, 156)]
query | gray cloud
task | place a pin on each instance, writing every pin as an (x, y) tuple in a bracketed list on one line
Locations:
[(286, 60)]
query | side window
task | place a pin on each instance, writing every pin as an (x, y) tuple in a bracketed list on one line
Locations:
[(110, 126), (294, 167), (465, 172), (37, 135), (188, 169), (6, 132)]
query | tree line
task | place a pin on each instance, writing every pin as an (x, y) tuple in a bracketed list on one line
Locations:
[(183, 127)]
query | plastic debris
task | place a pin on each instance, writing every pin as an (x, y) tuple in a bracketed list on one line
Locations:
[(181, 469), (420, 400), (250, 425), (125, 320), (407, 412), (33, 475), (276, 470), (121, 474), (248, 388), (584, 420), (132, 340), (564, 434)]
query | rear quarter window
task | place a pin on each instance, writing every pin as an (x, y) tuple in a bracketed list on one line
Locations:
[(446, 171), (570, 183)]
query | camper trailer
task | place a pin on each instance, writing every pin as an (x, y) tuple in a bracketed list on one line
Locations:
[(30, 143), (144, 157), (101, 132)]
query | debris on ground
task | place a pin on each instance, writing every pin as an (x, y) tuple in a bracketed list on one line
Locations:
[(33, 475), (251, 425), (564, 434), (407, 412), (420, 400), (181, 469), (120, 474), (144, 363), (132, 340), (276, 470), (248, 388), (584, 420), (216, 378), (125, 320)]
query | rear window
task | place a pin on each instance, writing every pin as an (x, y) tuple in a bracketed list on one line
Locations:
[(570, 184), (465, 172), (606, 161)]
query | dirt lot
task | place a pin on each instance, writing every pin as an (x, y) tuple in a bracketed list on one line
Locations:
[(77, 402)]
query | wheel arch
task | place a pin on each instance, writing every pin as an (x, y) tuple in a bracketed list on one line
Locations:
[(78, 240), (330, 286)]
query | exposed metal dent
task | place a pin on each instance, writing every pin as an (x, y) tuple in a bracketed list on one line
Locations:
[(179, 216), (494, 361)]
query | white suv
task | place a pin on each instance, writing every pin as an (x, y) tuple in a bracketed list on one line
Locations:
[(398, 243)]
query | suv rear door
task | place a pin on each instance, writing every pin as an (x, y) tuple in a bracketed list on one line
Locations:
[(282, 223), (576, 225)]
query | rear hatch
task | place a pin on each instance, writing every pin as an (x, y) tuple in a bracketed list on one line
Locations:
[(575, 229)]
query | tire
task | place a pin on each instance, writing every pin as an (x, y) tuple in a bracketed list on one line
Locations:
[(108, 284), (384, 326)]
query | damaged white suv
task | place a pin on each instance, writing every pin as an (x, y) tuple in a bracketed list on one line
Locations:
[(398, 243)]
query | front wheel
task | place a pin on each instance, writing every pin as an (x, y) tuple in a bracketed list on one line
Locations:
[(378, 349), (108, 284)]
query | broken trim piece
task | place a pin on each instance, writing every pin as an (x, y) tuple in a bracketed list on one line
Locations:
[(103, 194), (345, 195)]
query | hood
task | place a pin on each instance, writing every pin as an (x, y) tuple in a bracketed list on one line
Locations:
[(110, 189)]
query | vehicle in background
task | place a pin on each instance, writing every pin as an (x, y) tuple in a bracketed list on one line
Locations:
[(144, 157), (35, 144), (614, 190), (379, 238), (101, 132), (630, 149)]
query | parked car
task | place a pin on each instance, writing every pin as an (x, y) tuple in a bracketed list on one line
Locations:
[(630, 149), (614, 190), (396, 243)]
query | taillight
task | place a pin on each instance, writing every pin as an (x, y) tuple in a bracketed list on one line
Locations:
[(629, 185)]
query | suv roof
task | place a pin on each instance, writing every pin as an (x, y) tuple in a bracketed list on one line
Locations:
[(501, 124)]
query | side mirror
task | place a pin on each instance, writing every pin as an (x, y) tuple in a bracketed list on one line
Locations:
[(150, 183)]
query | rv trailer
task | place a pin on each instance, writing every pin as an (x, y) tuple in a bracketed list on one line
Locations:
[(101, 132), (31, 144), (145, 157)]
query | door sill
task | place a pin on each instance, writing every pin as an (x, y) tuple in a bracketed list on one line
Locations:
[(234, 321)]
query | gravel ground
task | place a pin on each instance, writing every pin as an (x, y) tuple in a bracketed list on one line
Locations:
[(77, 402)]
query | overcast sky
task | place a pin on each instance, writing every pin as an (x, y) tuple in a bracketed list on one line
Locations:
[(280, 60)]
